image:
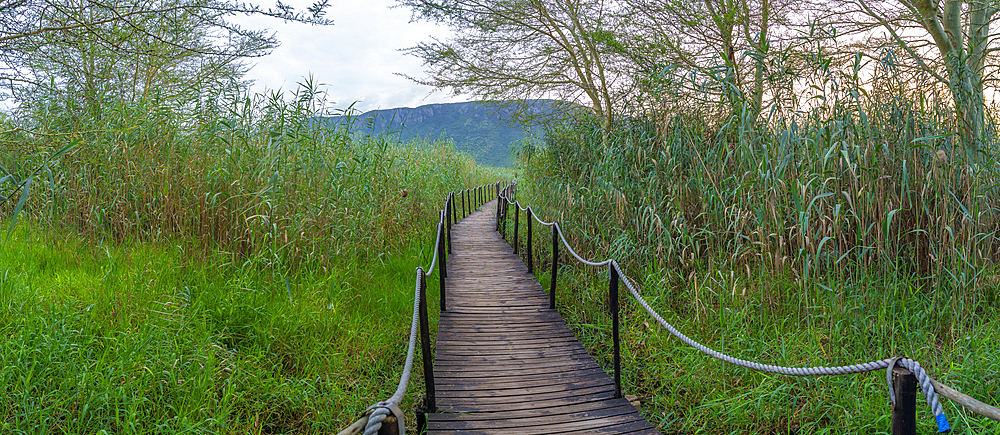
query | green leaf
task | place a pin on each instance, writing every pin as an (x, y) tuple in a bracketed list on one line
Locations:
[(20, 205)]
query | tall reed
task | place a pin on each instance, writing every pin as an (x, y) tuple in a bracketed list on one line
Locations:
[(257, 175), (869, 176)]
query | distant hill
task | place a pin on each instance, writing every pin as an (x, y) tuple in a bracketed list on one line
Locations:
[(483, 129)]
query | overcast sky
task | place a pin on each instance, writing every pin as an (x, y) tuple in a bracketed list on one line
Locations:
[(357, 57)]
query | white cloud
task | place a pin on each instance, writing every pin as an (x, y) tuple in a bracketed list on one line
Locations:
[(357, 57)]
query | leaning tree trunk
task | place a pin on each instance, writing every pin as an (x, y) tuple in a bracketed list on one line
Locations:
[(965, 69)]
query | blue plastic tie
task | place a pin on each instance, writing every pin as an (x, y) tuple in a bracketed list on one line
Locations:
[(942, 422)]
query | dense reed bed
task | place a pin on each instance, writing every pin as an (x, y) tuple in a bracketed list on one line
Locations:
[(230, 265), (852, 228)]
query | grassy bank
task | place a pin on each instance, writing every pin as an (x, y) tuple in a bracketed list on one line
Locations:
[(145, 338), (854, 230), (227, 268), (772, 320)]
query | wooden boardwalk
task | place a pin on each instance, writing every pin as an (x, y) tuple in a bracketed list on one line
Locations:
[(506, 363)]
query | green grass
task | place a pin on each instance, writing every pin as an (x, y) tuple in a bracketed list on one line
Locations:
[(840, 230), (773, 320), (144, 338), (231, 267)]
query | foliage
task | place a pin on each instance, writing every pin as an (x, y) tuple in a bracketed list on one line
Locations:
[(85, 55), (254, 176), (856, 182), (151, 338), (523, 49), (837, 233), (226, 270)]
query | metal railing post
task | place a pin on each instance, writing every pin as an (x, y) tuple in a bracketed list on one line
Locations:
[(517, 215), (555, 266), (613, 301), (528, 216), (425, 347), (454, 215), (904, 411), (464, 214), (444, 273)]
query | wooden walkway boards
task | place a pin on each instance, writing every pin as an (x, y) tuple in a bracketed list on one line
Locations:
[(506, 363)]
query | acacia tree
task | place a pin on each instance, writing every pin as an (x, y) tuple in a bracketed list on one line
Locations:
[(519, 49), (738, 44), (952, 40), (93, 50)]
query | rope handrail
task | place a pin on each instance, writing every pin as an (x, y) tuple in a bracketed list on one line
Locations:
[(930, 387), (437, 240), (371, 420), (561, 236)]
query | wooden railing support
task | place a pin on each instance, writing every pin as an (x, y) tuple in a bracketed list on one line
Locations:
[(904, 411), (498, 214), (504, 215), (517, 215), (555, 267), (430, 401), (613, 301), (441, 276), (449, 208), (531, 266)]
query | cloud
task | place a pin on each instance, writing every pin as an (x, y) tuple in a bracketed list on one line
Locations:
[(357, 58)]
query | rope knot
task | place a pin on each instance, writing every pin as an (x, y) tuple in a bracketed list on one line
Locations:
[(379, 412), (925, 386)]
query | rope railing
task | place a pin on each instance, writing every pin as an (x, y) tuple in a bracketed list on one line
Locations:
[(929, 386), (386, 417)]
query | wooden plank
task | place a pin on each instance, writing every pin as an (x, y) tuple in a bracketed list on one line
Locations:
[(532, 412), (553, 370), (504, 362), (573, 419), (595, 377), (549, 399), (566, 388)]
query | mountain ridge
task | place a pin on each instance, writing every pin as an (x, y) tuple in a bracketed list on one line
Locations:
[(488, 130)]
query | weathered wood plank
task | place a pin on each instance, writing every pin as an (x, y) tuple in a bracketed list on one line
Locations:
[(505, 362)]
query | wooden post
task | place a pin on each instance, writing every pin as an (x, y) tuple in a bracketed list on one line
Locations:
[(613, 301), (444, 274), (528, 217), (904, 411), (555, 266), (390, 426), (517, 215), (449, 207), (504, 215), (425, 347), (498, 214)]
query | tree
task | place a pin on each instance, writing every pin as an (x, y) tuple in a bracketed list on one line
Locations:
[(732, 42), (521, 49), (953, 42), (88, 51)]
